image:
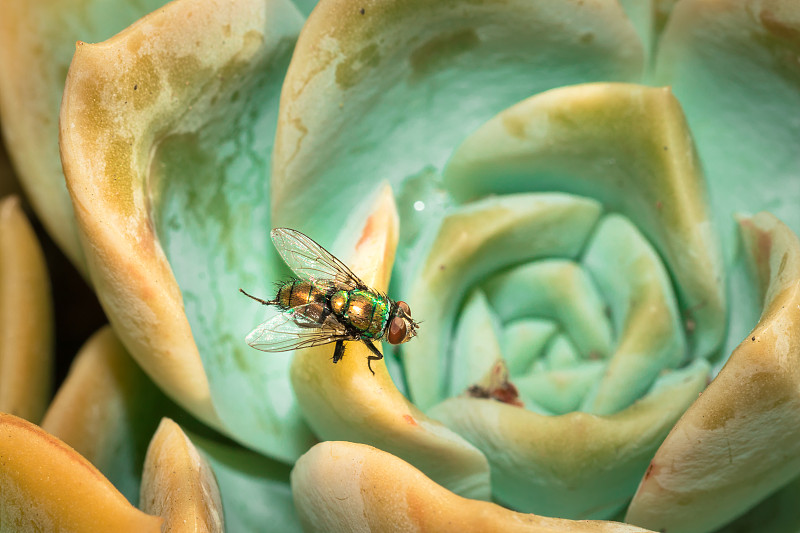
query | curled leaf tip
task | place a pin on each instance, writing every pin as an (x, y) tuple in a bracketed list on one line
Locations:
[(179, 485)]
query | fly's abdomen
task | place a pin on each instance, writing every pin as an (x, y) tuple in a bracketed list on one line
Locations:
[(296, 293), (365, 311)]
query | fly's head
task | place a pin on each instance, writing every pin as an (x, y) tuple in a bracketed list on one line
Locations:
[(401, 327)]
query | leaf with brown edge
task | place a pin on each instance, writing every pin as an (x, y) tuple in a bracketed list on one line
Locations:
[(165, 137), (740, 440), (179, 485), (345, 401), (46, 486), (37, 39), (26, 321), (342, 486)]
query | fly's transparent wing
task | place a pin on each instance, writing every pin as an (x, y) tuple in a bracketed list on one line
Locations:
[(296, 328), (311, 261)]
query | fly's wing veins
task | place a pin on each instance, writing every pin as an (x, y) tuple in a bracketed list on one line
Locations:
[(311, 261), (294, 329)]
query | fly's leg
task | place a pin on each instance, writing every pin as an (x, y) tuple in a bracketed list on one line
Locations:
[(377, 357), (259, 300), (338, 352)]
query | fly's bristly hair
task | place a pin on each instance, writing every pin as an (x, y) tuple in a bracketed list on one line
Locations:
[(280, 283)]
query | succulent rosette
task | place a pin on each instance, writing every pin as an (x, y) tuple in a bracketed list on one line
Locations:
[(562, 191)]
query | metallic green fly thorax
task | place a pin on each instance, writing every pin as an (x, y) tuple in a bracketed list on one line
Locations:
[(367, 312)]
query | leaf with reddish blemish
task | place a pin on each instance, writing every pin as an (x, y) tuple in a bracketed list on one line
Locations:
[(345, 401), (721, 457)]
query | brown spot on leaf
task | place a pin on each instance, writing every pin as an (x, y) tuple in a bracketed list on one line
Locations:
[(437, 52), (353, 69), (514, 125), (497, 386), (778, 28), (652, 470), (118, 185), (758, 392)]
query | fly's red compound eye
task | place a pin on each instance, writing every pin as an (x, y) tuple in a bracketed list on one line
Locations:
[(404, 306), (397, 331)]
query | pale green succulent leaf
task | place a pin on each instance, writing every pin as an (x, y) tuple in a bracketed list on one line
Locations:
[(472, 242), (476, 342), (538, 464), (560, 390), (558, 290), (643, 16), (388, 94), (560, 354), (733, 67), (640, 296), (627, 146), (214, 221), (524, 341)]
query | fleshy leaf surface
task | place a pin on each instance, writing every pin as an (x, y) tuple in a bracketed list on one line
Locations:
[(37, 40), (472, 242), (342, 486), (624, 261), (26, 317), (107, 409), (178, 484), (46, 486), (385, 89), (733, 66), (346, 401), (740, 440), (627, 146), (166, 135), (578, 464)]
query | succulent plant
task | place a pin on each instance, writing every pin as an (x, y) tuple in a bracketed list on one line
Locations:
[(562, 191)]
